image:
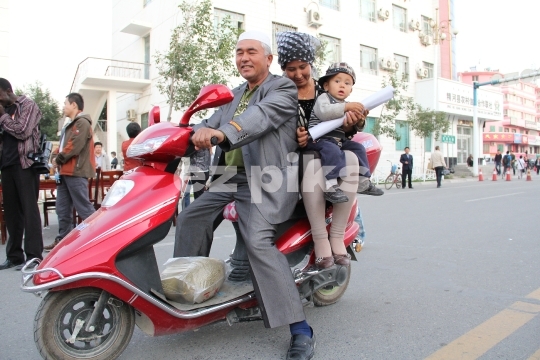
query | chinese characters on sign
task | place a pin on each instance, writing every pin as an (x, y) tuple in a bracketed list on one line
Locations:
[(457, 98)]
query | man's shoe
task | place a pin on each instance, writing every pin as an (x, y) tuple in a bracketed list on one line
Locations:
[(7, 265), (20, 266), (335, 195), (372, 190), (302, 347), (51, 246), (410, 187)]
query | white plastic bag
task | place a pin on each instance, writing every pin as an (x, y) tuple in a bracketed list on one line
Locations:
[(192, 280)]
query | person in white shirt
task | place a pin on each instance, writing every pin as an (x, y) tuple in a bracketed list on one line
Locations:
[(102, 160), (520, 164)]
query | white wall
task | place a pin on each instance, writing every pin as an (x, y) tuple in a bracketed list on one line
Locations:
[(4, 39), (346, 24)]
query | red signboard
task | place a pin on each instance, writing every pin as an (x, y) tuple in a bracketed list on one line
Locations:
[(499, 137)]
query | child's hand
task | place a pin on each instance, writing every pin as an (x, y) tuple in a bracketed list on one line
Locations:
[(355, 107)]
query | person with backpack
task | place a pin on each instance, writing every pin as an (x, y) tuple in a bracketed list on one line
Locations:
[(507, 162)]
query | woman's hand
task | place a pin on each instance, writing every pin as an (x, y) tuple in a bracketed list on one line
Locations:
[(351, 118), (302, 136)]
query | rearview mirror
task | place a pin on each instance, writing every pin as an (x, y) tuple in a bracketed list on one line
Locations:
[(153, 117), (210, 96)]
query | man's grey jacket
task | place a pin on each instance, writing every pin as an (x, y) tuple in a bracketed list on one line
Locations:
[(266, 132)]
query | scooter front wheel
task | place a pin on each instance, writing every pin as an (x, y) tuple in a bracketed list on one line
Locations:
[(329, 295), (61, 319)]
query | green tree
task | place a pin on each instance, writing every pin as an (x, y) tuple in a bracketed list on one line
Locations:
[(200, 53), (400, 104), (49, 108), (426, 123)]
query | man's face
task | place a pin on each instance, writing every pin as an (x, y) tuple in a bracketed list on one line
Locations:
[(4, 98), (70, 109), (97, 150), (251, 62), (407, 151)]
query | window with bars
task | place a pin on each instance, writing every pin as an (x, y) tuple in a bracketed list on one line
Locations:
[(429, 68), (428, 143), (144, 121), (403, 62), (402, 128), (400, 18), (332, 51), (277, 28), (426, 26), (146, 2), (237, 20), (368, 60), (368, 10), (370, 124), (332, 4)]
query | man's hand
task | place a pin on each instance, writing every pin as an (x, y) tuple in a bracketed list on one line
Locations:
[(302, 136), (201, 138), (2, 110)]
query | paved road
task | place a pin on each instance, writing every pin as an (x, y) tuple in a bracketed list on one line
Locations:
[(448, 273)]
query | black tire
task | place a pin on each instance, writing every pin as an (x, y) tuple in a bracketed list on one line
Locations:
[(389, 182), (331, 294), (56, 318), (398, 182)]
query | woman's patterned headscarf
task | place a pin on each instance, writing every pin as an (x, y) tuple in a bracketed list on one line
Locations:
[(293, 45)]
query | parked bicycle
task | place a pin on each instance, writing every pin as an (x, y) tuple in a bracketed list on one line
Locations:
[(394, 177)]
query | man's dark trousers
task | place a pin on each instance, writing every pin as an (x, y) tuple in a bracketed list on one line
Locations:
[(406, 173), (72, 193), (194, 233), (20, 190)]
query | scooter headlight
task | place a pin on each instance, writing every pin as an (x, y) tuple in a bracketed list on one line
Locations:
[(146, 146), (118, 190)]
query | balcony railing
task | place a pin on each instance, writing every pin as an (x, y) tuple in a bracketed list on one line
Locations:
[(110, 68)]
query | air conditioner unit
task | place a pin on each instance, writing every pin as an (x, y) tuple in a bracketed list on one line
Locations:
[(414, 25), (425, 40), (131, 114), (384, 14), (422, 72), (389, 64), (314, 18)]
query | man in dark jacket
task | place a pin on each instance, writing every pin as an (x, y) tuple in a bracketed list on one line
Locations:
[(498, 160), (19, 121), (76, 164), (407, 166)]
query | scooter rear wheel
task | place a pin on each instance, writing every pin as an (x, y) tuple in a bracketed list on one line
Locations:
[(329, 295), (56, 320)]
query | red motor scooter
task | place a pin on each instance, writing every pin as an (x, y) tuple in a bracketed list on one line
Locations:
[(103, 278)]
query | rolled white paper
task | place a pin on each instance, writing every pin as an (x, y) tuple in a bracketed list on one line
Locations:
[(370, 103)]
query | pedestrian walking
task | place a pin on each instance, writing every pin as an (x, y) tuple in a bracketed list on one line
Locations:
[(520, 165), (19, 123), (498, 160), (537, 165), (507, 162), (438, 163)]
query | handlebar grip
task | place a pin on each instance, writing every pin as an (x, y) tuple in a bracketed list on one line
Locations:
[(213, 140)]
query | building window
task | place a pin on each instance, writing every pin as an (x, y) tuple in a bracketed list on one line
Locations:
[(146, 2), (332, 4), (514, 131), (368, 60), (506, 130), (427, 144), (500, 129), (492, 129), (144, 121), (429, 68), (505, 112), (426, 25), (367, 10), (402, 129), (403, 62), (237, 20), (486, 148), (475, 78), (500, 147), (400, 18), (333, 49), (147, 57), (370, 124), (277, 28)]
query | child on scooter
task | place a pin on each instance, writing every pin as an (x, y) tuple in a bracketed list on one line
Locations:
[(338, 82)]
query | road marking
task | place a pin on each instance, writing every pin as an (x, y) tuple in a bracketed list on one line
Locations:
[(535, 356), (494, 197), (479, 340)]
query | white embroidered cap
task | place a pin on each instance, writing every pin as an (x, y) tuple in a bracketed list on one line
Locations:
[(256, 35)]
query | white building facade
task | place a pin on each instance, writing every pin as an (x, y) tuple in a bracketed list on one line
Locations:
[(4, 39), (373, 36)]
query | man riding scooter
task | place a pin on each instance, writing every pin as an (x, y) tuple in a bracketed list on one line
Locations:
[(255, 133)]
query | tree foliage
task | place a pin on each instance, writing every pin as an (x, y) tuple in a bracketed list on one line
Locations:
[(200, 53), (50, 110), (423, 121)]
